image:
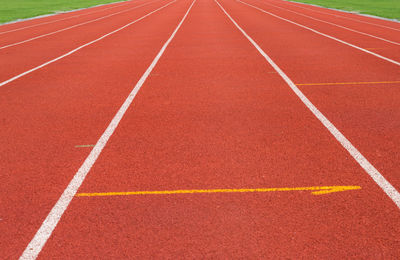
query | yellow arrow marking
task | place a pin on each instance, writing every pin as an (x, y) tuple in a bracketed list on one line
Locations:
[(317, 190)]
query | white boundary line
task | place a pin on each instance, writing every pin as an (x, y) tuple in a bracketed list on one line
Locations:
[(51, 221), (343, 27), (345, 17), (323, 34), (80, 47), (361, 160), (66, 18), (76, 25)]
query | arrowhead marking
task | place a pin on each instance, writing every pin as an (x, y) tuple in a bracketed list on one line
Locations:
[(331, 189)]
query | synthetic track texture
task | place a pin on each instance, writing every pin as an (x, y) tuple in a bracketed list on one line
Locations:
[(352, 108), (382, 23), (213, 114), (27, 56), (37, 22), (44, 122), (212, 128), (347, 25)]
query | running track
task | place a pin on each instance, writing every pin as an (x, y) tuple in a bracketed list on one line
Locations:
[(180, 95)]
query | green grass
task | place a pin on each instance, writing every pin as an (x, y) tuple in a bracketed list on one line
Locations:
[(11, 10), (383, 8)]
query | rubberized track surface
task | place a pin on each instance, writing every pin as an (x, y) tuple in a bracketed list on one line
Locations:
[(212, 113)]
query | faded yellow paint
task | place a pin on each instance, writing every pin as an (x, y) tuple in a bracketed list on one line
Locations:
[(348, 83)]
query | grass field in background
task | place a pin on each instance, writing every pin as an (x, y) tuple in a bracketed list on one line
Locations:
[(11, 10), (383, 8)]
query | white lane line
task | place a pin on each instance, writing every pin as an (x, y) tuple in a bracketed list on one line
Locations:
[(51, 221), (323, 34), (361, 160), (69, 17), (76, 25), (323, 21), (80, 47), (336, 15)]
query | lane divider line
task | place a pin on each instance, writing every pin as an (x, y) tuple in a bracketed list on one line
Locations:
[(358, 157), (348, 83), (74, 26), (66, 18), (82, 46), (315, 190), (49, 224), (323, 34), (340, 26), (336, 15)]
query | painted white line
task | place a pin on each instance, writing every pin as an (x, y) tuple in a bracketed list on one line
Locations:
[(294, 3), (76, 25), (67, 18), (80, 47), (323, 21), (51, 221), (323, 34), (361, 160)]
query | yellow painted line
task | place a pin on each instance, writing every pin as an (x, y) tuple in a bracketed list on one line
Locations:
[(348, 83), (371, 49), (84, 145), (317, 190)]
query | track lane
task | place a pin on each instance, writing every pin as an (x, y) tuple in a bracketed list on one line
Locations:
[(315, 50), (313, 59), (17, 37), (330, 32), (48, 113), (381, 41), (39, 21), (390, 37), (205, 120), (21, 60), (362, 19), (366, 27), (376, 176)]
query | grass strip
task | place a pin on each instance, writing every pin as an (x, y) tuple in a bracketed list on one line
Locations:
[(11, 10), (383, 8)]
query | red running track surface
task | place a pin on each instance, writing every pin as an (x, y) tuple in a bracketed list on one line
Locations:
[(212, 114)]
